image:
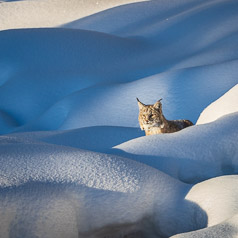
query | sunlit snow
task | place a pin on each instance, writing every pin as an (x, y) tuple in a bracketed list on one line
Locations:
[(73, 160)]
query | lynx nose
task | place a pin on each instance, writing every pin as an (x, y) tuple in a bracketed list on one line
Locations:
[(147, 119)]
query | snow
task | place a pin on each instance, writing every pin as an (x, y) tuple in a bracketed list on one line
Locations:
[(49, 13), (83, 84), (216, 191), (92, 181), (224, 229), (226, 104), (222, 218), (192, 155), (74, 162)]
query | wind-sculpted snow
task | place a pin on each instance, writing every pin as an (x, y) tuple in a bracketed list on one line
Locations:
[(192, 155), (221, 191), (134, 198), (73, 160), (88, 69), (46, 187), (57, 177), (226, 104)]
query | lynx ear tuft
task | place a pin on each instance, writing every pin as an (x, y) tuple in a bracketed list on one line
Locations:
[(158, 104), (140, 104)]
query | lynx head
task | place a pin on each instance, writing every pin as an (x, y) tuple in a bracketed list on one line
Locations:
[(150, 115)]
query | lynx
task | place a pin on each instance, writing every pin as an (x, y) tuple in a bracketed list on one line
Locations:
[(152, 120)]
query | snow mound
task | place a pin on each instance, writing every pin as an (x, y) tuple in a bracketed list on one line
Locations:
[(221, 192), (47, 189), (88, 68), (191, 155), (47, 180), (96, 138), (226, 104), (224, 229), (222, 218), (56, 191)]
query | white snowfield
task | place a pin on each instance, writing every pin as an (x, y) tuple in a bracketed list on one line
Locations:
[(73, 161)]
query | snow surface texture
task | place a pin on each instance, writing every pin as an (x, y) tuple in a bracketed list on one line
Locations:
[(228, 103), (49, 13), (74, 162)]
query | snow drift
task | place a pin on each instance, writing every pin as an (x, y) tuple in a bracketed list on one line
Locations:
[(228, 103), (223, 222), (57, 191), (193, 155), (94, 67), (78, 182), (74, 162)]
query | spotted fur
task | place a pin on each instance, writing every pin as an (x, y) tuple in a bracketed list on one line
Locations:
[(152, 120)]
